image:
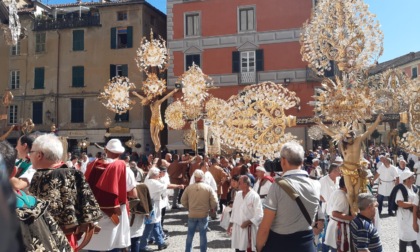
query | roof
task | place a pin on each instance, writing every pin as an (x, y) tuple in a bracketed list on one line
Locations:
[(402, 60)]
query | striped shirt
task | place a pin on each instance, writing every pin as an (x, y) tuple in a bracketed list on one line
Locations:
[(364, 234)]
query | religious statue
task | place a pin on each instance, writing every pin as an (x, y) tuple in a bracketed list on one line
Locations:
[(350, 147), (5, 135), (156, 123), (393, 138)]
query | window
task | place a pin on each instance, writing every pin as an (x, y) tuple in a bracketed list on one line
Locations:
[(15, 50), (189, 59), (78, 40), (192, 25), (122, 15), (413, 72), (123, 117), (77, 110), (37, 112), (14, 79), (78, 76), (118, 70), (247, 61), (246, 19), (40, 42), (39, 78), (13, 109), (122, 37)]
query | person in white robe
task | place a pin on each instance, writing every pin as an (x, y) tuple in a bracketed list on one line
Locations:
[(388, 178), (208, 178), (339, 211), (246, 216)]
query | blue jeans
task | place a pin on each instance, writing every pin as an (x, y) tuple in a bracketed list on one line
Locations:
[(135, 244), (151, 228), (380, 203), (202, 224)]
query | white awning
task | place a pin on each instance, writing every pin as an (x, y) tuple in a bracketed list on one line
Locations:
[(72, 9)]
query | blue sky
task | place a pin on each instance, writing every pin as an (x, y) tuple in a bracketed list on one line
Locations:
[(398, 18)]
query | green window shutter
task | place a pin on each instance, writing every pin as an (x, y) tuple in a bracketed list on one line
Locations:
[(78, 79), (130, 37), (236, 66), (125, 70), (113, 38), (39, 78), (78, 40), (77, 110), (37, 112), (112, 71), (259, 54)]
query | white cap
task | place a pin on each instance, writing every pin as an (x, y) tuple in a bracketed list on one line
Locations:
[(260, 168), (114, 145), (405, 175)]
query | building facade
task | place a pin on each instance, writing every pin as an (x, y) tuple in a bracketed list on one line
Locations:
[(239, 43), (70, 52)]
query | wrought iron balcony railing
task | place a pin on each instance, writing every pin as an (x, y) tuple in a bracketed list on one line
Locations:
[(66, 23)]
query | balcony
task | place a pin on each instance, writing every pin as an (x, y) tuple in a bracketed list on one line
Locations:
[(248, 77), (66, 23)]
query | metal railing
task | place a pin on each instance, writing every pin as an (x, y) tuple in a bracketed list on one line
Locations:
[(66, 23)]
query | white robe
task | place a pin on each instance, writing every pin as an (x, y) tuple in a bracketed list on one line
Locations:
[(243, 209), (386, 179), (114, 236), (405, 217), (264, 188), (208, 179), (337, 202)]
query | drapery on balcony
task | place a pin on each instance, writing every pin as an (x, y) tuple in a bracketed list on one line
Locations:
[(66, 23)]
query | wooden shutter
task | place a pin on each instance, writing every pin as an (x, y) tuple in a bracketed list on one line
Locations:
[(130, 37), (259, 54), (78, 79), (77, 110), (112, 71), (78, 40), (113, 38), (124, 70), (236, 64), (39, 78), (37, 112)]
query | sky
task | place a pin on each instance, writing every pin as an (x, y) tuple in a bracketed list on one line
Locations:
[(398, 19)]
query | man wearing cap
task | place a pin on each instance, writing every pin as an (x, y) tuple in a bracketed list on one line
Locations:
[(402, 167), (263, 183), (111, 182), (199, 198), (406, 232), (388, 178)]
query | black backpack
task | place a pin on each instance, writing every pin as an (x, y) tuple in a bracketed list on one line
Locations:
[(392, 205)]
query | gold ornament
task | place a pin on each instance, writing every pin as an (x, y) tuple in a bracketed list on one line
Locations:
[(27, 126), (152, 53), (153, 86), (256, 121), (116, 95), (344, 32), (315, 132), (194, 86), (344, 102), (174, 116), (131, 143)]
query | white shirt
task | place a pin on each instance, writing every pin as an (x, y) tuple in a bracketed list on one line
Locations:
[(156, 190), (387, 177), (208, 179), (264, 188), (405, 216), (327, 188)]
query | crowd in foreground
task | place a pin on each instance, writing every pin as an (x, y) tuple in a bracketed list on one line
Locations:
[(115, 202)]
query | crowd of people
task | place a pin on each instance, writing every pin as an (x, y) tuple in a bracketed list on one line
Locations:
[(117, 201)]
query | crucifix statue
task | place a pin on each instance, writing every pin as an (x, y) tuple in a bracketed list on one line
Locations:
[(156, 123)]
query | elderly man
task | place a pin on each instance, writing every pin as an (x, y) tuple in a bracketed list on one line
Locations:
[(246, 216), (157, 190), (388, 178), (112, 182), (316, 171), (263, 183), (284, 226), (364, 235), (199, 198), (72, 202)]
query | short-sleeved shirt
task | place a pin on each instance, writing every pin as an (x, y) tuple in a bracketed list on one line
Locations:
[(289, 218), (365, 235)]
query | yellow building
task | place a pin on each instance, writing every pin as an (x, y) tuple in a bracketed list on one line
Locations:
[(70, 52)]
